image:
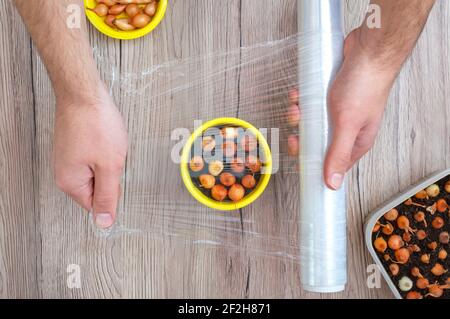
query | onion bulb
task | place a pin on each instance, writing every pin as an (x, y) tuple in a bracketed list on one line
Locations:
[(215, 168), (380, 244), (442, 254), (395, 242), (132, 10), (140, 20), (208, 143), (407, 236), (435, 291), (421, 234), (433, 190), (433, 245), (248, 181), (117, 9), (236, 192), (421, 194), (441, 205), (219, 192), (422, 283), (414, 295), (109, 20), (405, 284), (101, 9), (391, 215), (229, 133), (394, 269), (293, 96), (402, 255), (415, 271), (420, 217), (227, 179), (403, 223), (134, 1), (253, 163), (207, 181), (438, 222), (124, 24), (387, 229), (293, 115), (237, 165), (447, 187), (376, 227), (425, 258), (150, 9), (293, 145), (444, 238), (196, 164), (109, 3)]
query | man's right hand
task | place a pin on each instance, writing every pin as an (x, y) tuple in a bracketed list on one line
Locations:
[(357, 100)]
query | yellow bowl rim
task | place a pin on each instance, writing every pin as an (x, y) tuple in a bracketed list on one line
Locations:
[(101, 26), (202, 198)]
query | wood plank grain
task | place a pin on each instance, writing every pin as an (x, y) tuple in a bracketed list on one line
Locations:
[(67, 234), (168, 266), (19, 238), (42, 231), (264, 90), (403, 153)]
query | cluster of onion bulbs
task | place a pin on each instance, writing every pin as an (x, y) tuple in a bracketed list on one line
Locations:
[(126, 15)]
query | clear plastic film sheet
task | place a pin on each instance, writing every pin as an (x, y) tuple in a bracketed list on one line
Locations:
[(172, 99)]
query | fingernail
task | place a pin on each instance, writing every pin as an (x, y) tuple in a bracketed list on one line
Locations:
[(336, 181), (103, 220)]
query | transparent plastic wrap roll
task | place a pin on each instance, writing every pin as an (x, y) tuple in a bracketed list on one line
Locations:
[(322, 213)]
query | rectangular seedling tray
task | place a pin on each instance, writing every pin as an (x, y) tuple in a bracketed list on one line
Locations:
[(380, 211)]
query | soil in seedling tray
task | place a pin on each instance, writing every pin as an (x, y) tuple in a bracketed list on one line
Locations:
[(412, 242), (235, 173)]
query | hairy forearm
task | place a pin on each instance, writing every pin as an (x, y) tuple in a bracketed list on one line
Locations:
[(65, 51), (402, 22)]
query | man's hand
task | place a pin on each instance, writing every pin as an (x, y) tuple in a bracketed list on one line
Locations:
[(90, 142), (90, 147), (357, 99)]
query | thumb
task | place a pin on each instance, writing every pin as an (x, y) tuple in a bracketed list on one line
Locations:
[(339, 155), (106, 197)]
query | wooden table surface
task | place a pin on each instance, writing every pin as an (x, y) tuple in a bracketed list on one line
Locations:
[(42, 231)]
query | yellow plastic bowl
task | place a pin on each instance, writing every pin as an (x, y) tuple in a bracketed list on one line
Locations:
[(101, 26), (209, 202)]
